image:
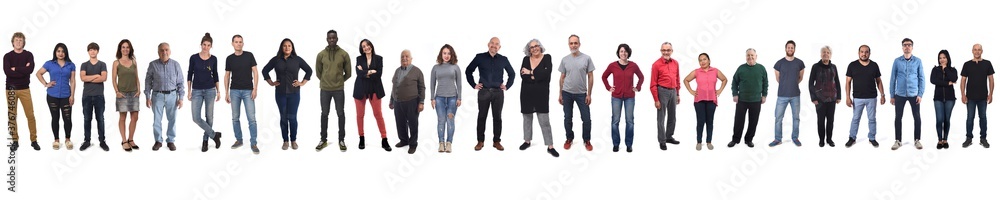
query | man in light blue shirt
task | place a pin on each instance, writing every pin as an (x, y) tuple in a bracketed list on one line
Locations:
[(906, 85), (164, 86)]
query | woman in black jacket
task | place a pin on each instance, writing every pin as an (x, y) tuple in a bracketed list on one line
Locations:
[(944, 77), (368, 86), (536, 73)]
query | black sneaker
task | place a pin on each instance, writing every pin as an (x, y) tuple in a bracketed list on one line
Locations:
[(874, 143), (401, 144), (343, 146), (939, 145), (254, 149), (413, 149), (524, 146), (204, 145), (217, 139), (732, 144), (322, 144), (385, 144), (750, 144), (946, 145), (614, 149), (361, 143), (628, 149), (967, 143), (983, 142), (104, 146), (34, 145), (663, 146), (850, 142), (85, 145), (552, 151), (14, 145), (236, 145)]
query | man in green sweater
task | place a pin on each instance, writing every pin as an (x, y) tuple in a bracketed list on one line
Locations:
[(749, 92), (333, 66)]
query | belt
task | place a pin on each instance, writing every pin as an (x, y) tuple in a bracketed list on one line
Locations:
[(165, 92)]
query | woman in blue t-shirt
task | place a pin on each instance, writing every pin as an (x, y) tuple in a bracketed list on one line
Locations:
[(62, 73)]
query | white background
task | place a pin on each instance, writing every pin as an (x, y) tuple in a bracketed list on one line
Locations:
[(724, 29)]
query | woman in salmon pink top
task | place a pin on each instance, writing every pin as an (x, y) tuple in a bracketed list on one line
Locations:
[(622, 93), (705, 97)]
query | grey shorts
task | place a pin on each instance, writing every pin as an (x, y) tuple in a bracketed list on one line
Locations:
[(129, 103)]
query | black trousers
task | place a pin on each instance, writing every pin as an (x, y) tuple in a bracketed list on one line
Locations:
[(824, 124), (59, 107), (406, 121), (489, 98), (741, 112), (324, 102)]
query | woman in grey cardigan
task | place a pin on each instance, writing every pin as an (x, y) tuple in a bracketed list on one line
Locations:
[(446, 95)]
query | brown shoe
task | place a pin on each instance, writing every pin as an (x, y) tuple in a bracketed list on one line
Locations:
[(156, 146), (170, 145), (498, 146), (568, 144), (588, 146), (479, 146)]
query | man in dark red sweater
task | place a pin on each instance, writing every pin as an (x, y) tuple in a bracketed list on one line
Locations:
[(18, 65)]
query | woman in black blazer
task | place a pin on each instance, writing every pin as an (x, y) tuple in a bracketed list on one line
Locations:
[(368, 86)]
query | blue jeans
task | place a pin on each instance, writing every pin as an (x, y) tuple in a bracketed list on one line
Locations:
[(868, 106), (973, 106), (942, 109), (581, 100), (206, 98), (164, 104), (444, 107), (93, 106), (288, 109), (616, 115), (779, 114), (705, 111), (236, 97)]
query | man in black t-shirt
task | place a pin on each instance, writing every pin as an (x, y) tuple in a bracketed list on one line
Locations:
[(863, 75), (976, 93), (241, 82)]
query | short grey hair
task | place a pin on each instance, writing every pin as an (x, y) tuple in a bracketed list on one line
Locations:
[(827, 47), (667, 43), (751, 49), (527, 47)]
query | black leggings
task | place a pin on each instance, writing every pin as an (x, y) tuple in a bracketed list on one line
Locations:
[(60, 107)]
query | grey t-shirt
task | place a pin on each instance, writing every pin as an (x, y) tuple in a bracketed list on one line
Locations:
[(576, 69), (93, 89), (788, 84), (446, 79)]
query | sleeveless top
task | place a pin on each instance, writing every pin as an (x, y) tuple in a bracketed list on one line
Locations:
[(127, 77), (706, 79)]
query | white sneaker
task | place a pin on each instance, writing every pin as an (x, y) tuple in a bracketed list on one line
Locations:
[(441, 147), (710, 147), (55, 145), (895, 145), (917, 144), (69, 144), (697, 147)]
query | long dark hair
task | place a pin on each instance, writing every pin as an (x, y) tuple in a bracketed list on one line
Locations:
[(947, 56), (131, 49), (65, 52), (362, 49), (282, 54)]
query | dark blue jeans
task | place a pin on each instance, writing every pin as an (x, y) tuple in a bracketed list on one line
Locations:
[(942, 109), (93, 106), (915, 108), (705, 111), (973, 106), (568, 100), (288, 108)]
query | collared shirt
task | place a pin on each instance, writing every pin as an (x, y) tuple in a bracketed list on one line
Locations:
[(203, 74), (161, 77), (287, 71), (907, 77), (491, 69), (61, 75), (663, 74)]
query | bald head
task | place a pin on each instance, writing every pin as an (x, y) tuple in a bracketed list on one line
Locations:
[(977, 52), (494, 46)]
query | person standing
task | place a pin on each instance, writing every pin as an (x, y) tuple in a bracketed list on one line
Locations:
[(906, 84), (286, 65), (369, 87), (333, 67), (203, 84), (749, 92), (824, 91), (976, 93), (788, 71), (446, 93), (705, 97), (623, 94), (943, 77), (407, 100), (17, 67), (61, 90), (491, 86), (863, 76), (93, 74), (663, 84), (536, 73), (241, 82), (125, 81), (575, 86), (164, 89)]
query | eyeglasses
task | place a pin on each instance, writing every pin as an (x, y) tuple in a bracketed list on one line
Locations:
[(908, 45), (534, 46)]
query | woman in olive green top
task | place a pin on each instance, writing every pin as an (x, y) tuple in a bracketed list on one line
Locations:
[(125, 80)]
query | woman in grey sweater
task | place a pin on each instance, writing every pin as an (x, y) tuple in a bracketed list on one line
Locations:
[(446, 95)]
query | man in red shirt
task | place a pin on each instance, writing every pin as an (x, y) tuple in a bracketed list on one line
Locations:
[(663, 85)]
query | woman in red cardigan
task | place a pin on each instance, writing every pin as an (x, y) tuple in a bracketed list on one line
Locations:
[(622, 93)]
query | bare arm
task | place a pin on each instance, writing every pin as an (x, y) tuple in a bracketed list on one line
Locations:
[(802, 72), (721, 77), (687, 82)]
